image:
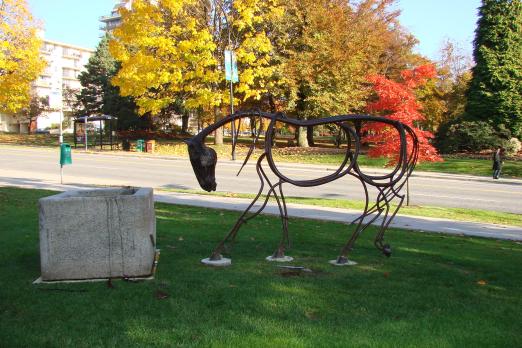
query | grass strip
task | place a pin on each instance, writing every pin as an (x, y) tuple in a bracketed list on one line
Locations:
[(461, 214)]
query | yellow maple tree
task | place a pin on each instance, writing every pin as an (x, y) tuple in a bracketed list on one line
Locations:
[(251, 21), (165, 53), (20, 61), (175, 49)]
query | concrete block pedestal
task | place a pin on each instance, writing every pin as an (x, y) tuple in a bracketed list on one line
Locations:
[(99, 233)]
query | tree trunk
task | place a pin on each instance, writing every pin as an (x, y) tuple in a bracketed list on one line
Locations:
[(358, 128), (253, 127), (185, 122), (301, 137), (271, 101), (218, 134), (31, 125), (310, 135)]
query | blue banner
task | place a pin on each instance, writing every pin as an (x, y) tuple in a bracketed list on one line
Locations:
[(231, 66)]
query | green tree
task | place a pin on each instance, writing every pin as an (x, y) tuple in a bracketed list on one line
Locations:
[(99, 96), (443, 98), (328, 48), (38, 106), (495, 92)]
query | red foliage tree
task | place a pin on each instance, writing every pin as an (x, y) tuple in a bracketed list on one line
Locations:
[(396, 100)]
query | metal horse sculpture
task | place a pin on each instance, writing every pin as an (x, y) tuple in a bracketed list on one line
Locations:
[(204, 159)]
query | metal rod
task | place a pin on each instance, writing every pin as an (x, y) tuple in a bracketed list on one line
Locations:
[(60, 145), (232, 112), (61, 130), (233, 125), (101, 136), (85, 132)]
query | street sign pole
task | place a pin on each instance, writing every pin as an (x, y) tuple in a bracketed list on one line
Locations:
[(233, 122), (232, 76)]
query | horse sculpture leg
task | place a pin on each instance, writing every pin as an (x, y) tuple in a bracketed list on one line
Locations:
[(279, 254), (216, 256), (342, 260), (386, 248)]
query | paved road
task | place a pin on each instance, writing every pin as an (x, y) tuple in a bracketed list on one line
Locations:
[(35, 165)]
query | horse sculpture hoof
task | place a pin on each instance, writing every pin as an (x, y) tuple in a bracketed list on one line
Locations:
[(222, 262), (342, 261), (285, 258), (386, 250)]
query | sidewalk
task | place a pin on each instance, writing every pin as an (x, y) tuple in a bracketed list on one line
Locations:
[(421, 224)]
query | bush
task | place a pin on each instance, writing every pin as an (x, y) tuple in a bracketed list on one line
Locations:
[(471, 136), (513, 146)]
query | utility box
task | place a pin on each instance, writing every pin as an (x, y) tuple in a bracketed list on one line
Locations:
[(65, 154), (140, 145), (101, 233), (149, 146)]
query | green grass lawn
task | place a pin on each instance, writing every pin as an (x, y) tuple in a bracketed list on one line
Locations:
[(435, 291), (44, 140)]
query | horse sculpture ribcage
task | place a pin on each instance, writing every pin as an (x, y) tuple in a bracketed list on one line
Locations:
[(388, 186)]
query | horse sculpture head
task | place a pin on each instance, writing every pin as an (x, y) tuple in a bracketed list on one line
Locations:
[(203, 160)]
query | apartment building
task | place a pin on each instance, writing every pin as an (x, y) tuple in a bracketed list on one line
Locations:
[(114, 19), (64, 64)]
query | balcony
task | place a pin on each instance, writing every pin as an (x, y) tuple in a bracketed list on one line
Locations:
[(114, 17), (43, 84)]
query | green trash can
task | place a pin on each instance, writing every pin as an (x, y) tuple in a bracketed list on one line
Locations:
[(65, 154), (140, 145)]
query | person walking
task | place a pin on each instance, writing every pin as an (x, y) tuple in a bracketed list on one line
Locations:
[(498, 160)]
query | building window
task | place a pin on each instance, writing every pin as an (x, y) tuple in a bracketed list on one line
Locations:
[(69, 73)]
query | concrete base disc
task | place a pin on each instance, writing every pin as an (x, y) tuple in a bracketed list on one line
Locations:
[(348, 263), (224, 262), (279, 259)]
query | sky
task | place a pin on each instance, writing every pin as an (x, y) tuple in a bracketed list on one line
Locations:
[(76, 22)]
